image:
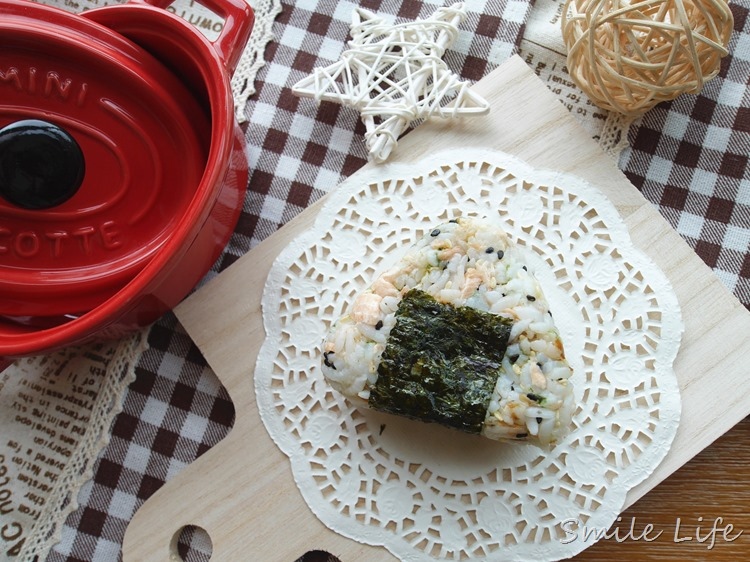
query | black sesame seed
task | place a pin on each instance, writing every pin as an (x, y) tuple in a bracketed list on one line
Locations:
[(539, 420), (513, 358), (435, 232), (531, 298), (500, 254), (489, 250), (525, 268), (327, 362), (534, 397), (522, 435), (379, 325)]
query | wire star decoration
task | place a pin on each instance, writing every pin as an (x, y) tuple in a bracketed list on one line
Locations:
[(393, 74)]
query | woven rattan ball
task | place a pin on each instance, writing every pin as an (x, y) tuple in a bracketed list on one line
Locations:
[(629, 56)]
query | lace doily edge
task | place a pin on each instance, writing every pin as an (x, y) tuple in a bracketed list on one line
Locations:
[(63, 500), (252, 60)]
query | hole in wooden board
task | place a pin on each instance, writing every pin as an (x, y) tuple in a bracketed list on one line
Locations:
[(317, 556), (192, 544)]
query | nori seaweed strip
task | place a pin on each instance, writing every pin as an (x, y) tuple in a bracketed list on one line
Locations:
[(440, 363)]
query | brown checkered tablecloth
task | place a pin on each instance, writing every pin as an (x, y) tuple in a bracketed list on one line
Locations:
[(689, 158)]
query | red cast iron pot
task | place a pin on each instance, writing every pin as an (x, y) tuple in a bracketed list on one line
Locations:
[(132, 108)]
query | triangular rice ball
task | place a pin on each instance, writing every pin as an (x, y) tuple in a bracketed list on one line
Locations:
[(458, 333)]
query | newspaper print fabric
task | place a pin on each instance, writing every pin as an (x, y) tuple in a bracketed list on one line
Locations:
[(176, 409)]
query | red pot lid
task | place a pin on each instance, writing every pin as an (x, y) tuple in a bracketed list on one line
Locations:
[(101, 151)]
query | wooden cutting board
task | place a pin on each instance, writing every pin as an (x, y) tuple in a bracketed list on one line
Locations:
[(242, 491)]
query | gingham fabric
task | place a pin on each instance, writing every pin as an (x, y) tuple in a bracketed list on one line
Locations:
[(689, 158)]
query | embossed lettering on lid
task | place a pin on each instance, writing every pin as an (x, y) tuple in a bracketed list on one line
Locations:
[(102, 150)]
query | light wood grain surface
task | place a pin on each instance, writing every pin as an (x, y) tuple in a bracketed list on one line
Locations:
[(242, 491), (715, 484)]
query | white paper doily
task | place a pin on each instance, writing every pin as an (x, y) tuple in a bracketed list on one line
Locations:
[(426, 492)]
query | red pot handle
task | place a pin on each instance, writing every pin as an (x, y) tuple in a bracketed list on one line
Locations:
[(238, 23)]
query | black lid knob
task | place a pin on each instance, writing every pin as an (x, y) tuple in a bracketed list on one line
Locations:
[(41, 165)]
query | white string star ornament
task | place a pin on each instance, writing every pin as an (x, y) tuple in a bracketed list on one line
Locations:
[(394, 74)]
